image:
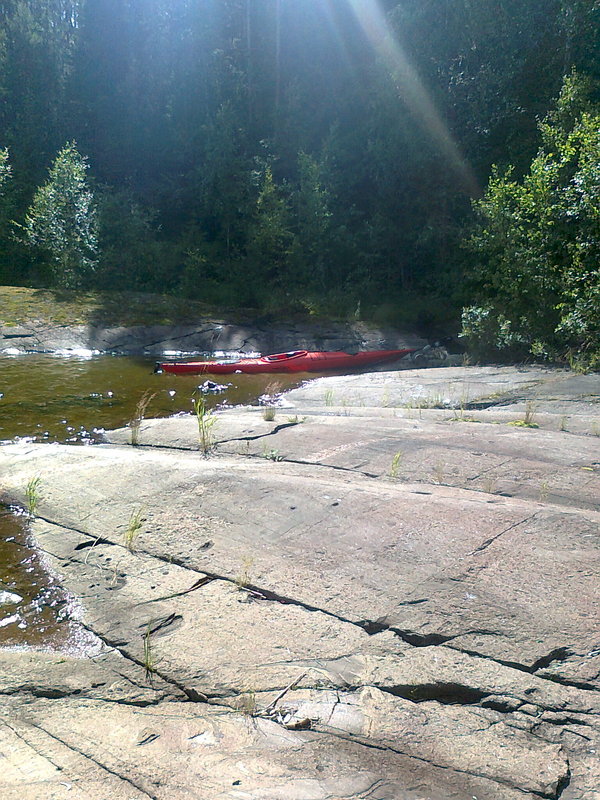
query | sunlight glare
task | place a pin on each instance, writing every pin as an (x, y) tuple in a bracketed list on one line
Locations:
[(410, 87)]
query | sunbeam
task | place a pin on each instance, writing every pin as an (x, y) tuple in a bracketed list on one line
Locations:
[(411, 88)]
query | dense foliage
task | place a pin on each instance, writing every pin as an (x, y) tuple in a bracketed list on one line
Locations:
[(61, 222), (537, 245), (319, 155)]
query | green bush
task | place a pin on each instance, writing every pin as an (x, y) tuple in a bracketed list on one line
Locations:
[(537, 245)]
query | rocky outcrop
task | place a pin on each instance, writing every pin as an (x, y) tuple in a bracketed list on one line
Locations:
[(385, 591), (207, 336)]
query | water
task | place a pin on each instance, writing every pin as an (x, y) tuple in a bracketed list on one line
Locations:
[(72, 400), (34, 609), (57, 399)]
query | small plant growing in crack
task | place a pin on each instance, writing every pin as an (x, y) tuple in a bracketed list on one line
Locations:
[(329, 397), (243, 580), (530, 410), (140, 410), (269, 413), (490, 484), (32, 494), (395, 467), (134, 526), (91, 549), (439, 473), (296, 420), (272, 454), (206, 421), (543, 496), (246, 704), (272, 390), (527, 421), (269, 400)]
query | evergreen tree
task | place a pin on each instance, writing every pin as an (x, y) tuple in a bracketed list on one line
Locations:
[(5, 214), (5, 174), (313, 220), (270, 240)]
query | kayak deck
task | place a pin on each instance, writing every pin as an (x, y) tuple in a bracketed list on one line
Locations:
[(292, 361)]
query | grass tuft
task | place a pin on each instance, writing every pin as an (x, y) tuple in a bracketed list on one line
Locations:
[(490, 484), (246, 704), (244, 579), (268, 413), (32, 494), (134, 526), (395, 467), (207, 419), (140, 410), (439, 472)]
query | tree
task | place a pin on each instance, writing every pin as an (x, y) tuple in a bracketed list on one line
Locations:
[(132, 254), (14, 257), (5, 211), (5, 174), (537, 281), (61, 221), (270, 238), (313, 226), (36, 45)]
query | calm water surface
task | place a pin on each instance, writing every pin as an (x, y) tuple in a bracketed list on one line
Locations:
[(72, 400), (58, 399)]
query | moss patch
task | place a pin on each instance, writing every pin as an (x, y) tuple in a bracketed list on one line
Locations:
[(19, 305)]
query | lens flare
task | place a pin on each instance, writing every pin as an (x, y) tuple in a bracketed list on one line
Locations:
[(411, 88)]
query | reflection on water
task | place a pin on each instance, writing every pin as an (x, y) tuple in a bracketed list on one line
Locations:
[(73, 399)]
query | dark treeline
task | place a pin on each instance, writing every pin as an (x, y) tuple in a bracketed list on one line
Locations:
[(311, 155)]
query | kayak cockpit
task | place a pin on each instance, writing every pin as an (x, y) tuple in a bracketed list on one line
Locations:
[(285, 356)]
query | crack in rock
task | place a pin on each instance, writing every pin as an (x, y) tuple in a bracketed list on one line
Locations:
[(371, 627), (191, 694), (27, 690), (135, 784), (216, 331), (558, 654), (357, 739), (524, 668), (444, 693), (492, 539), (257, 437), (24, 739)]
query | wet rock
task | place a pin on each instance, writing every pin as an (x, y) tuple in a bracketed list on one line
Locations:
[(9, 598), (339, 621)]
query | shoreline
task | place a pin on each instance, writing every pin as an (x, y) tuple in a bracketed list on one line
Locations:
[(206, 336)]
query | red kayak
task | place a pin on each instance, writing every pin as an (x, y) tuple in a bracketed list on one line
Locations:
[(295, 361)]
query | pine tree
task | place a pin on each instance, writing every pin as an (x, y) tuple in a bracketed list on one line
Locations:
[(270, 238)]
